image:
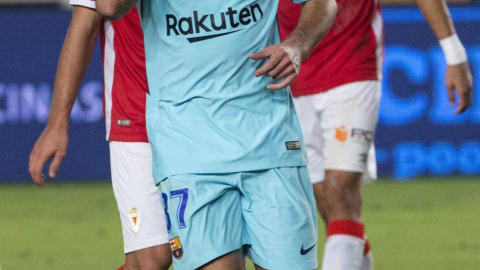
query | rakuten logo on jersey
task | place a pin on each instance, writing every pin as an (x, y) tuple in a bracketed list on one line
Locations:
[(208, 24)]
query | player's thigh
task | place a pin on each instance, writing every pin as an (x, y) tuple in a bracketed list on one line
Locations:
[(280, 218), (349, 124), (309, 111), (140, 208), (204, 217), (231, 261)]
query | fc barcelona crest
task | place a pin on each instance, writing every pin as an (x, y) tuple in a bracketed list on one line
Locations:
[(176, 247)]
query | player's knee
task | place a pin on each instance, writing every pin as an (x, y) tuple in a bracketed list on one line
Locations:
[(166, 262), (155, 265), (156, 262), (340, 195), (162, 264), (149, 259), (150, 264), (341, 184)]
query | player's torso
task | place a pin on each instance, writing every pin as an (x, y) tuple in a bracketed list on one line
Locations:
[(205, 39), (124, 78), (351, 51), (207, 109)]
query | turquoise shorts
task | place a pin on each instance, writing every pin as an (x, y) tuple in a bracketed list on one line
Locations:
[(270, 213)]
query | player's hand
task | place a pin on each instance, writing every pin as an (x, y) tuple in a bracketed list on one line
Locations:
[(283, 63), (52, 143), (459, 78)]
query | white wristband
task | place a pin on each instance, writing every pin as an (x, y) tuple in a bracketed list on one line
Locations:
[(453, 50)]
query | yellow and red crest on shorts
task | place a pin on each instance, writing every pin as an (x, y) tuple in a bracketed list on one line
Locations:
[(176, 247), (341, 133), (134, 217)]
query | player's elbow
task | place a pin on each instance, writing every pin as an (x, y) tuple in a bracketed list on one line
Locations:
[(110, 9)]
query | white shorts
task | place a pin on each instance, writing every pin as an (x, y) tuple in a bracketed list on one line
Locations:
[(141, 212), (338, 128)]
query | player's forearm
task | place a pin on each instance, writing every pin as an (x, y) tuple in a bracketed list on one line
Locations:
[(114, 9), (438, 17), (315, 21), (74, 60)]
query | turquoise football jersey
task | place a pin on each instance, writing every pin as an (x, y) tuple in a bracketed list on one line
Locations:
[(207, 112)]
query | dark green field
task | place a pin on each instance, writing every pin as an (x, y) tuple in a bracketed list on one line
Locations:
[(421, 224)]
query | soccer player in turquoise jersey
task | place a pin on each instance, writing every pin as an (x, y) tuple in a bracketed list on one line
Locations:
[(227, 148)]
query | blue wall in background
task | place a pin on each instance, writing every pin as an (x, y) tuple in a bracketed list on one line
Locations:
[(30, 45), (418, 134)]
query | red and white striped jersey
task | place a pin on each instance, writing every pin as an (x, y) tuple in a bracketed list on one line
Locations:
[(125, 80), (352, 50)]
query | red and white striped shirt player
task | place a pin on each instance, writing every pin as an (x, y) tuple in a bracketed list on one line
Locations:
[(336, 96), (125, 88)]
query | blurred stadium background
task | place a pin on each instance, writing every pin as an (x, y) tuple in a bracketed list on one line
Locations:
[(75, 226)]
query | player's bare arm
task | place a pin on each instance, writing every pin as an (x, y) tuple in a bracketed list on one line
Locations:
[(114, 9), (458, 74), (285, 58), (74, 60)]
